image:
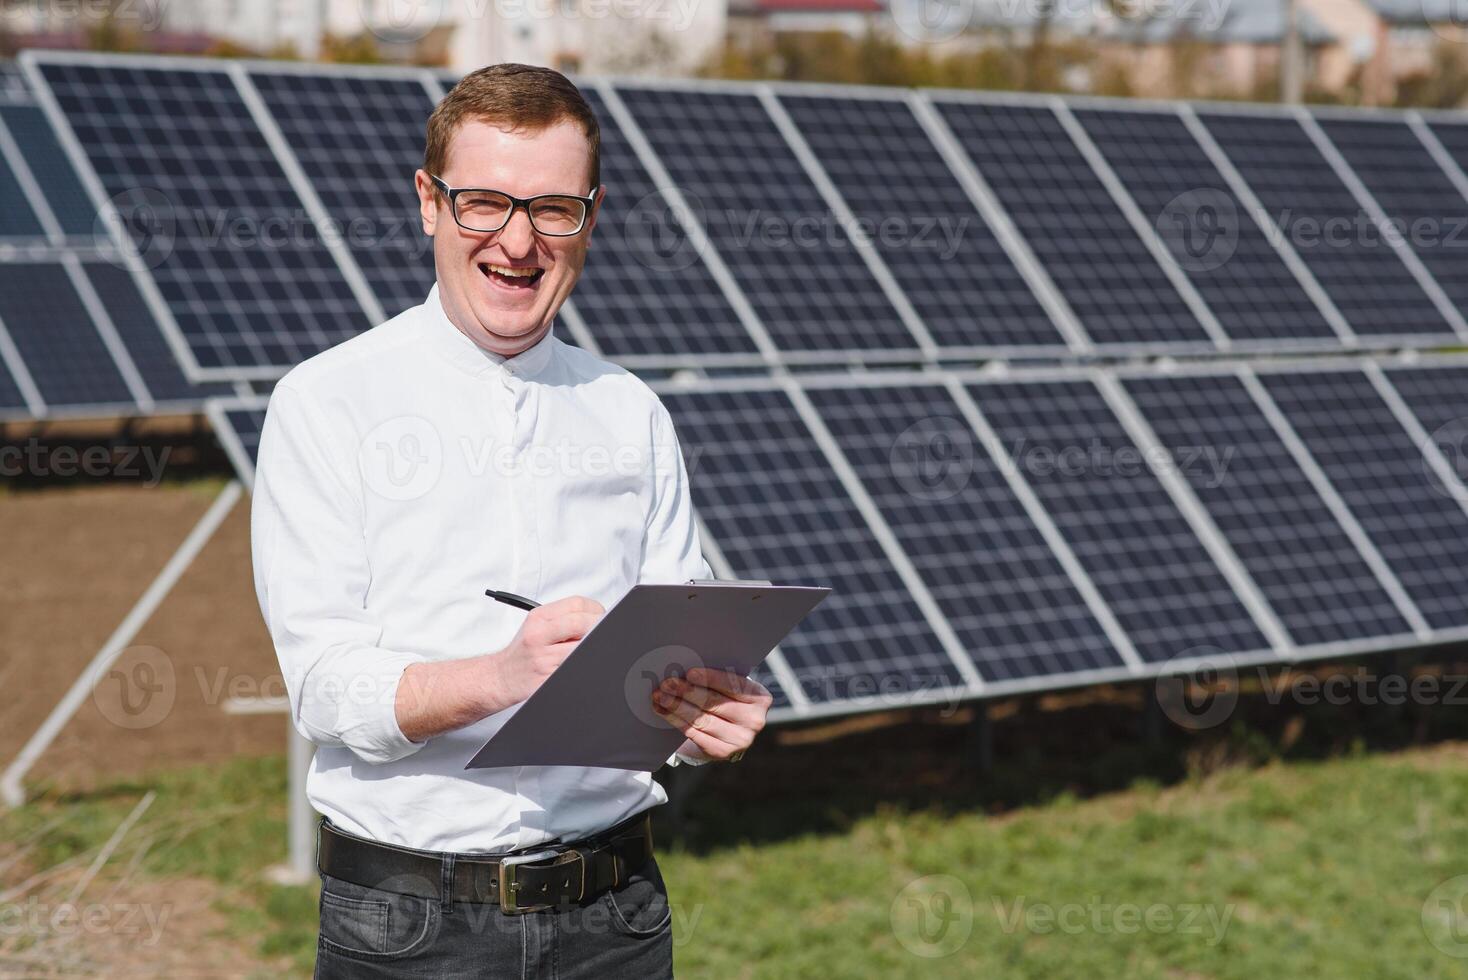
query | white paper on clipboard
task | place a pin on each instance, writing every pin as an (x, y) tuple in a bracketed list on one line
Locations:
[(596, 709)]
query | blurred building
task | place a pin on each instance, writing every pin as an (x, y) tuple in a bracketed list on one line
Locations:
[(644, 36)]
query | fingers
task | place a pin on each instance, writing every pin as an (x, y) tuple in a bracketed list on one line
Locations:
[(729, 684), (572, 604), (564, 619), (715, 736)]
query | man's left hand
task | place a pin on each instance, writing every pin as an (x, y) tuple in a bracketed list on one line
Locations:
[(718, 710)]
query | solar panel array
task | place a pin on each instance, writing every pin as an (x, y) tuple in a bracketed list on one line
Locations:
[(990, 536), (77, 336), (1072, 520)]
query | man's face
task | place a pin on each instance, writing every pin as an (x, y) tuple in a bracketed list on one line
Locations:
[(481, 278)]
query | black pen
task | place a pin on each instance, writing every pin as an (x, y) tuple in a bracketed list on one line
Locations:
[(510, 599)]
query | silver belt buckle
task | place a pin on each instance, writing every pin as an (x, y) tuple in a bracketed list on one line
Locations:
[(509, 884)]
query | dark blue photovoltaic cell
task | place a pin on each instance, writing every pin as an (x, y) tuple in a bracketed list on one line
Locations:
[(51, 168), (777, 511), (1454, 138), (247, 424), (1320, 218), (360, 141), (242, 268), (645, 289), (797, 266), (1206, 228), (57, 340), (983, 560), (1375, 465), (1124, 528), (1311, 574), (11, 399), (1438, 396), (12, 82), (1075, 229), (17, 217), (1415, 193), (939, 248), (142, 337)]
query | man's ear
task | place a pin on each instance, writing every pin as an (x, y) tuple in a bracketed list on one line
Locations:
[(427, 201), (600, 195)]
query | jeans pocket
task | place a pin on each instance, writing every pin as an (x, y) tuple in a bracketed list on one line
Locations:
[(639, 906), (368, 923)]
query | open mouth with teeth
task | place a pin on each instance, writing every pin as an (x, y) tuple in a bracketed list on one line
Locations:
[(511, 277)]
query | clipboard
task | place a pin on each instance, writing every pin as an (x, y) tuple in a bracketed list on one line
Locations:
[(596, 708)]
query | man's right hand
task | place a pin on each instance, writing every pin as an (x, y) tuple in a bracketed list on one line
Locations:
[(434, 698), (547, 637)]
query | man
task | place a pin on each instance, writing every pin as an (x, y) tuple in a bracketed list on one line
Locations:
[(457, 447)]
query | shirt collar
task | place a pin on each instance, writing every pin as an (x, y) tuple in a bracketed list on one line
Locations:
[(450, 342)]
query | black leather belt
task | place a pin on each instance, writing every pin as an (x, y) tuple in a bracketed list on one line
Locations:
[(528, 881)]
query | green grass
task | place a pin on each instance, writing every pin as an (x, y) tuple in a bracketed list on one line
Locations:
[(1301, 868)]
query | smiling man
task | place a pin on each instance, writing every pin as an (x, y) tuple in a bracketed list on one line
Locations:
[(457, 447)]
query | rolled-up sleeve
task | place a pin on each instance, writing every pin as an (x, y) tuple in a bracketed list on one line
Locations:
[(311, 577)]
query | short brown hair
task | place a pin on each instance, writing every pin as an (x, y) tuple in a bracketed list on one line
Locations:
[(515, 96)]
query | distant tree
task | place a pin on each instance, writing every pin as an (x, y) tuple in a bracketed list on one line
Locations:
[(1444, 86), (358, 49)]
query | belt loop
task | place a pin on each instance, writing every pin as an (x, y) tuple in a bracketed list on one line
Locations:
[(446, 883)]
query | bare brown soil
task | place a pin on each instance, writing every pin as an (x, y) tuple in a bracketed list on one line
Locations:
[(77, 559)]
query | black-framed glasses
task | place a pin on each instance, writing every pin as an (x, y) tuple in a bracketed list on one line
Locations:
[(483, 210)]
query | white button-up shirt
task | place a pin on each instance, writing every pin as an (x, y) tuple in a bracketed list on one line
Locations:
[(400, 475)]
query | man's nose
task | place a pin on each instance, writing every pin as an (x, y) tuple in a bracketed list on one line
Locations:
[(517, 237)]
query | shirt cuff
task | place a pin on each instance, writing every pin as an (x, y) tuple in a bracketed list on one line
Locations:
[(678, 758), (366, 713)]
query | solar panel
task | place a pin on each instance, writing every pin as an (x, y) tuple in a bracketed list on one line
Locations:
[(1125, 530), (238, 424), (1264, 505), (51, 168), (56, 337), (1206, 228), (12, 83), (939, 248), (360, 140), (142, 337), (1075, 229), (1307, 202), (1454, 138), (1413, 190), (771, 501), (18, 219), (12, 400), (983, 560), (243, 270), (1438, 397), (794, 262), (645, 290), (1420, 530)]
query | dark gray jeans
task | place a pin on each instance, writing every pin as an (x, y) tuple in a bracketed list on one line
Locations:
[(623, 933)]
